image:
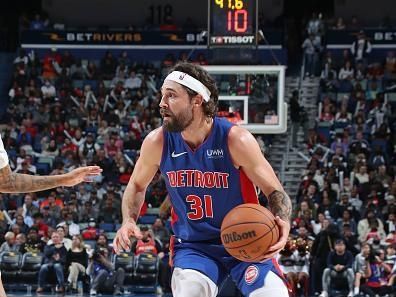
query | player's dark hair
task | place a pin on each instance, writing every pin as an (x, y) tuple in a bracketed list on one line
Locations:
[(210, 107)]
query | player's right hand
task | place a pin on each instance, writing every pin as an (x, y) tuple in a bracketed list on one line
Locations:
[(122, 240)]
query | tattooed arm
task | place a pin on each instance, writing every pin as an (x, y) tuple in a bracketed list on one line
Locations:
[(247, 156), (11, 182), (280, 205), (146, 167)]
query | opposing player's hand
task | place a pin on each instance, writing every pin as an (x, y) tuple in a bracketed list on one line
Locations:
[(122, 240), (82, 174), (284, 229)]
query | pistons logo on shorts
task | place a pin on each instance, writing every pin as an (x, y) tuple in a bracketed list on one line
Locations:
[(251, 274)]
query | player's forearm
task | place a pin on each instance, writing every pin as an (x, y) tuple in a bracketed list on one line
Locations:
[(132, 202), (22, 183), (280, 205)]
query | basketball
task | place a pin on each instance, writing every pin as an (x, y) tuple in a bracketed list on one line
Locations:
[(248, 231)]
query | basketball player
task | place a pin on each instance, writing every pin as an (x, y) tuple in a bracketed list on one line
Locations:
[(11, 182), (209, 166)]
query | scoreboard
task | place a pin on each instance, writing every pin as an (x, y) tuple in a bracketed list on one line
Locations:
[(232, 23)]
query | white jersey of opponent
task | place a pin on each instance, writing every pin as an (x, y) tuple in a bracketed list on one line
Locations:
[(3, 155)]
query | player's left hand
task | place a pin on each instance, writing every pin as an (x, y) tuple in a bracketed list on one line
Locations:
[(284, 229), (82, 174)]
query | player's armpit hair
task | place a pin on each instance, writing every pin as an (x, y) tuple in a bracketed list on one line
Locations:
[(279, 204)]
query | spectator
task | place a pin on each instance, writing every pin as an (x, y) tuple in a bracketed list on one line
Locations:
[(315, 25), (48, 218), (301, 258), (33, 242), (312, 48), (37, 23), (20, 241), (54, 260), (359, 266), (74, 229), (90, 233), (89, 148), (133, 82), (370, 226), (347, 220), (102, 242), (168, 24), (390, 66), (20, 221), (298, 117), (339, 263), (38, 222), (108, 66), (48, 90), (29, 209), (323, 244), (161, 232), (346, 72), (376, 275), (9, 244), (77, 261), (104, 278), (361, 48), (340, 24), (147, 244), (66, 242), (355, 24)]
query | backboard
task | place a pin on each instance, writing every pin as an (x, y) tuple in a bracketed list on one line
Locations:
[(252, 96)]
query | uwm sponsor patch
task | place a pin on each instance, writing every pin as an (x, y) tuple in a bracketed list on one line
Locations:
[(251, 274), (234, 236)]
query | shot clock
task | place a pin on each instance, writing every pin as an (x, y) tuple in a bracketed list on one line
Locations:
[(232, 23)]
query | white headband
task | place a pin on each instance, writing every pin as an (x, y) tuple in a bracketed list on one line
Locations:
[(190, 82)]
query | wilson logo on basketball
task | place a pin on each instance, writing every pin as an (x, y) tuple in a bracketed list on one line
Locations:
[(251, 274), (234, 236)]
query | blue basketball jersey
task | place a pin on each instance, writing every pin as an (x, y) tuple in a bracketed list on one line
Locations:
[(203, 184)]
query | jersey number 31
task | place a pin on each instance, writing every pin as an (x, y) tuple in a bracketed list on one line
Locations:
[(200, 207)]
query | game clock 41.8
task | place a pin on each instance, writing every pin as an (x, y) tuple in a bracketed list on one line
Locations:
[(232, 22)]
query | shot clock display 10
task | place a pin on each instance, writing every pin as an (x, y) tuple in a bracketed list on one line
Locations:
[(232, 22)]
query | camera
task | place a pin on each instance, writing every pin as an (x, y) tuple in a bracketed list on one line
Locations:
[(98, 253)]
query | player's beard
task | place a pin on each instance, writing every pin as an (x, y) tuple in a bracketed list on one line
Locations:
[(177, 123)]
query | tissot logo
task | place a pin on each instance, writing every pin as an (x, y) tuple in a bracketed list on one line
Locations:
[(216, 153), (249, 39)]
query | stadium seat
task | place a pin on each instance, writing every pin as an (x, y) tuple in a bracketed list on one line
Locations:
[(106, 227), (147, 219), (126, 262), (9, 266), (391, 97), (146, 270), (110, 235), (91, 243), (92, 83), (43, 168), (107, 83), (30, 266), (83, 226), (12, 154), (340, 96), (78, 84), (48, 160)]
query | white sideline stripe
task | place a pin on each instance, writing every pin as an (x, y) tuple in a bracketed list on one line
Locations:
[(124, 46), (348, 46)]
